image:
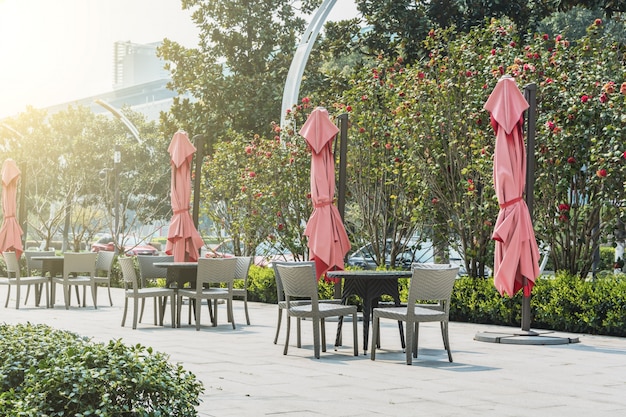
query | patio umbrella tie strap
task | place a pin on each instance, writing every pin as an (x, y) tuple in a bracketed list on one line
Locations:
[(181, 211), (510, 202), (322, 204)]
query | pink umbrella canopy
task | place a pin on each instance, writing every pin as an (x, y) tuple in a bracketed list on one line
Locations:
[(183, 239), (516, 251), (10, 232), (328, 240)]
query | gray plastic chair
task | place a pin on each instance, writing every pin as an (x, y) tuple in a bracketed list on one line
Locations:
[(300, 281), (104, 263), (429, 282), (75, 264), (241, 273), (132, 290), (15, 279), (211, 271), (282, 304)]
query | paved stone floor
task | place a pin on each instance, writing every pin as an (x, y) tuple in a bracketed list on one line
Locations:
[(245, 374)]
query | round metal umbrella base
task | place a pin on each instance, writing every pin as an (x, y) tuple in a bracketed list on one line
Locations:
[(522, 337)]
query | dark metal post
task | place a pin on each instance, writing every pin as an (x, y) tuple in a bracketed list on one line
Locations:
[(199, 143), (530, 93), (343, 162), (341, 186)]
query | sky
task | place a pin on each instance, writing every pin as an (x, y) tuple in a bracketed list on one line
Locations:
[(54, 51)]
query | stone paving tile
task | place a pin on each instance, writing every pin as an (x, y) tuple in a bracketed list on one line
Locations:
[(245, 374)]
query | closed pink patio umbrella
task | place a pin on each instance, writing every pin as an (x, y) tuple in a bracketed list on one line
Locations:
[(183, 239), (328, 240), (10, 232), (516, 262)]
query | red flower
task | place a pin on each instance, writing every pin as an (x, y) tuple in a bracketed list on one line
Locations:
[(249, 150), (558, 38), (435, 200), (550, 125), (584, 98), (624, 154), (571, 160), (364, 98), (546, 36), (361, 130), (622, 89), (493, 52), (564, 207), (306, 100), (512, 44), (604, 98), (563, 218), (280, 226), (348, 108), (252, 174), (388, 146), (597, 22), (601, 173), (243, 189), (421, 75)]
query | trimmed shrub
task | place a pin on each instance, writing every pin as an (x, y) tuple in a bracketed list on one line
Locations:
[(51, 372)]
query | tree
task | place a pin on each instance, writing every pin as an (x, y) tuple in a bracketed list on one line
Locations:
[(234, 79)]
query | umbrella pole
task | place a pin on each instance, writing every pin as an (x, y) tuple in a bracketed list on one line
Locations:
[(341, 188), (530, 93)]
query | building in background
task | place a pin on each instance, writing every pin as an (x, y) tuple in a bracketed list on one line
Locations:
[(139, 81)]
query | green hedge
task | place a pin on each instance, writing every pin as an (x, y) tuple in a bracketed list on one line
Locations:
[(48, 372), (560, 303)]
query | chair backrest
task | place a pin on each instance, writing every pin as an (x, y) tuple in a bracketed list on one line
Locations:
[(83, 263), (104, 261), (280, 292), (32, 264), (127, 265), (216, 271), (242, 268), (13, 265), (147, 270), (298, 280), (432, 282)]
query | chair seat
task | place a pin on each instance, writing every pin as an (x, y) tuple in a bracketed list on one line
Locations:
[(150, 292), (80, 280), (27, 280), (325, 310), (206, 292), (423, 314)]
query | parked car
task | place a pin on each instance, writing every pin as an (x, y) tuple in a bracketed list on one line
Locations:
[(265, 253), (132, 246), (413, 252)]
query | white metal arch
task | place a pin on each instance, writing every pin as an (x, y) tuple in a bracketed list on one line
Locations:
[(300, 58)]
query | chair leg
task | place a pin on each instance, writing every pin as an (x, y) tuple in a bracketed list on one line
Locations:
[(143, 304), (410, 334), (287, 334), (125, 310), (27, 293), (214, 312), (446, 340), (94, 295), (355, 335), (229, 303), (280, 316), (173, 309), (298, 336), (67, 293), (110, 298), (245, 307), (17, 297), (375, 331), (9, 293), (416, 337), (198, 312), (323, 327), (316, 337), (135, 311)]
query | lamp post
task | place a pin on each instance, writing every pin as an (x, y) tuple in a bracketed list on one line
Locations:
[(117, 159)]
